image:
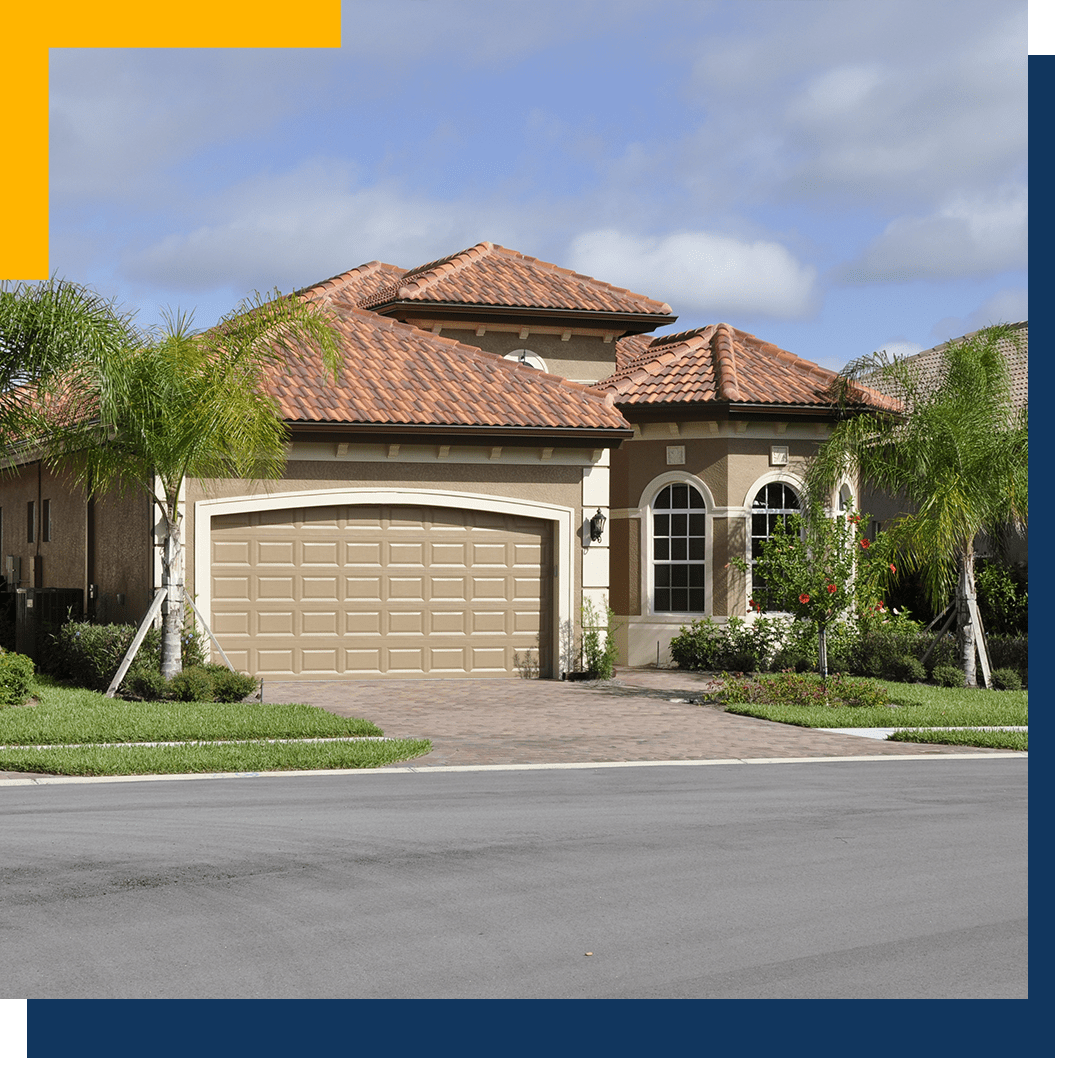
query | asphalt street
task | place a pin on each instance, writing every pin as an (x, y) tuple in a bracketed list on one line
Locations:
[(848, 879)]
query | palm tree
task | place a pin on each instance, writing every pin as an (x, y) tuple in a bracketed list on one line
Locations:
[(956, 448), (140, 411)]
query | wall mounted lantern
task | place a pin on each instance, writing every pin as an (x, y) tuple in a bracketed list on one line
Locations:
[(596, 526)]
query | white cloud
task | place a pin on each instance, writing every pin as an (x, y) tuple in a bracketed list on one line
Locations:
[(968, 237), (292, 229), (701, 271)]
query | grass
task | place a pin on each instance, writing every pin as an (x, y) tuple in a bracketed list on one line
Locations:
[(997, 740), (32, 737), (913, 705)]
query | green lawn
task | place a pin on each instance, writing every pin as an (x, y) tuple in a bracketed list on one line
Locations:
[(32, 737), (913, 705), (997, 740)]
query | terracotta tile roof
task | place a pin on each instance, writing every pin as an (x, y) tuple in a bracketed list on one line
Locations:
[(354, 287), (629, 348), (719, 363), (393, 373), (490, 275), (928, 364)]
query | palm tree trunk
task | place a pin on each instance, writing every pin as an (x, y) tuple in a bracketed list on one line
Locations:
[(823, 654), (965, 627), (173, 579)]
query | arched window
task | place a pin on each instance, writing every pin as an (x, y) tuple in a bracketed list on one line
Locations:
[(772, 503), (678, 540)]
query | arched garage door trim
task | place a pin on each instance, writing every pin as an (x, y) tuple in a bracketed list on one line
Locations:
[(560, 517)]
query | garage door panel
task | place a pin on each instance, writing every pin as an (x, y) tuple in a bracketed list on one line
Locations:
[(275, 553), (319, 623), (363, 622), (286, 591), (319, 553), (449, 622), (405, 622), (405, 588), (275, 624), (281, 587), (319, 588), (357, 554), (364, 588)]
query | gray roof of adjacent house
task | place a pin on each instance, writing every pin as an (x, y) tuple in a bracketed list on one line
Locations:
[(928, 364)]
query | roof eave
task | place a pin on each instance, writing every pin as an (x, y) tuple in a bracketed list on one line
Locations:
[(632, 322)]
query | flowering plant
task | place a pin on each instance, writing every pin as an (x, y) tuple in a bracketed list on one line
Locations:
[(820, 568)]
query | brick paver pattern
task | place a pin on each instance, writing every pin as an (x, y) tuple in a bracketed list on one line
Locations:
[(641, 715)]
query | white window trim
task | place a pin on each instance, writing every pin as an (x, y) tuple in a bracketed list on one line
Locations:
[(651, 490), (535, 360)]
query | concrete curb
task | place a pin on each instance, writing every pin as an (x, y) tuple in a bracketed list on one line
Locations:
[(43, 781)]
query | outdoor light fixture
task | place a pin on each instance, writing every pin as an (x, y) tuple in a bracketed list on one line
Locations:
[(596, 526)]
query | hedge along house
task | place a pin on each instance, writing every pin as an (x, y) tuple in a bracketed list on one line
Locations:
[(724, 424)]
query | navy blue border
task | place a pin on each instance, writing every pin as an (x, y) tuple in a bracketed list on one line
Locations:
[(531, 1029), (671, 1029), (1041, 584)]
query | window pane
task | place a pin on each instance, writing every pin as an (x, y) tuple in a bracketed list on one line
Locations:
[(696, 500), (663, 500), (696, 600), (678, 576), (696, 576), (678, 524), (662, 524), (679, 496), (663, 576), (697, 524), (678, 548), (660, 549), (697, 548)]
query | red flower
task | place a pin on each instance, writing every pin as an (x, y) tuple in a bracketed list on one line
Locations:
[(864, 543), (880, 606), (804, 599), (892, 568), (831, 588)]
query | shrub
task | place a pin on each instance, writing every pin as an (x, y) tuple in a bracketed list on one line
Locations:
[(16, 673), (598, 657), (947, 675), (908, 669), (1008, 651), (734, 645), (192, 684), (1003, 597), (1007, 679), (145, 681), (229, 685), (788, 688)]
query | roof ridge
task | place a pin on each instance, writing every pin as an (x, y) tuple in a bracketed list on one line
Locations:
[(348, 275), (722, 344)]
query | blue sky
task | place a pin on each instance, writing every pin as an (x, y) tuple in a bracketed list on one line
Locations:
[(835, 176)]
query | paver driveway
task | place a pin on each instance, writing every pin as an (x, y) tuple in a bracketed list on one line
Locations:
[(641, 715)]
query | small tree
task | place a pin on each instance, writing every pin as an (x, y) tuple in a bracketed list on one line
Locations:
[(126, 409), (820, 568)]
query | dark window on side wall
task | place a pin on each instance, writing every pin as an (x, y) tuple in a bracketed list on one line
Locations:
[(31, 522), (772, 504), (46, 519)]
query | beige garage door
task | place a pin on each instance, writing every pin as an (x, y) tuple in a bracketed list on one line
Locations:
[(398, 591)]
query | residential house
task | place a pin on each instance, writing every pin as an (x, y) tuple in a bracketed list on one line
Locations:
[(440, 509)]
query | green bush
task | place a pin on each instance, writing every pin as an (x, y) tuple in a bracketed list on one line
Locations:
[(1008, 651), (734, 645), (16, 674), (947, 675), (787, 688), (145, 681), (598, 657), (1007, 679), (192, 684), (1003, 597), (89, 654), (230, 686), (909, 669)]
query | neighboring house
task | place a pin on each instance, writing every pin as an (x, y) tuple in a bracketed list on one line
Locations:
[(928, 366), (434, 518)]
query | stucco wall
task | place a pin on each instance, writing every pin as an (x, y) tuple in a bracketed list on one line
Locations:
[(584, 357)]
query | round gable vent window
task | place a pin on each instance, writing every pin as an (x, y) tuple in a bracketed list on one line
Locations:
[(528, 358)]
